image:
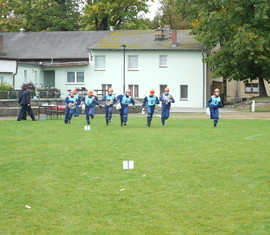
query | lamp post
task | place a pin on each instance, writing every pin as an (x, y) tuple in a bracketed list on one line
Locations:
[(124, 67)]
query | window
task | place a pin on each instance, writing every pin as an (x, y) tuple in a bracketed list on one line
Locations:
[(183, 92), (133, 62), (163, 61), (36, 78), (134, 90), (100, 62), (25, 75), (252, 88), (1, 79), (75, 77), (162, 87), (105, 87)]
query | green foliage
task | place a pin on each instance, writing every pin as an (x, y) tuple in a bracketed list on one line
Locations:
[(189, 177), (240, 31), (6, 91), (4, 86), (25, 85), (40, 15), (171, 17), (101, 14)]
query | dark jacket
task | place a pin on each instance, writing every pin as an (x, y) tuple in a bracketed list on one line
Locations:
[(25, 98)]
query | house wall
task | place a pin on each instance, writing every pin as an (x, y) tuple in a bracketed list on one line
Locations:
[(61, 77), (6, 77), (235, 89), (184, 68), (29, 73)]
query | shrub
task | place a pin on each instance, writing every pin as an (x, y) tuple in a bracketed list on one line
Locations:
[(4, 86)]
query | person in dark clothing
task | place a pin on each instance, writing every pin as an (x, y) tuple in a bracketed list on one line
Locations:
[(25, 105)]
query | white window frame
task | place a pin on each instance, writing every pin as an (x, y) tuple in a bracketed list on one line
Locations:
[(107, 87), (184, 99), (252, 88), (36, 77), (132, 88), (163, 65), (75, 71), (97, 68), (25, 76), (133, 69)]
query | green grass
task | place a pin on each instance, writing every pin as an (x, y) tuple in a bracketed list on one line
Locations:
[(189, 177)]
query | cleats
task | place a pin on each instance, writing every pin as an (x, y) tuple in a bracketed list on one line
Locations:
[(125, 123)]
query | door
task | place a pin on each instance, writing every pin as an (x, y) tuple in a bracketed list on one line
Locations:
[(49, 78)]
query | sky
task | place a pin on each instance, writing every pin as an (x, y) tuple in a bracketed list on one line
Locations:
[(153, 9)]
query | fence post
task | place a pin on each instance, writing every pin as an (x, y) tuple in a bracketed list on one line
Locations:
[(253, 106)]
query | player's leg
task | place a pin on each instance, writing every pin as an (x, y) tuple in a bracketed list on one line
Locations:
[(66, 115)]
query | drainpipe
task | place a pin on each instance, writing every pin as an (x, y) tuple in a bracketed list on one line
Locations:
[(15, 73), (203, 78)]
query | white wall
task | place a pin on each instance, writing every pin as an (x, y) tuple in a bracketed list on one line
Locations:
[(33, 74), (61, 77), (6, 77), (184, 68)]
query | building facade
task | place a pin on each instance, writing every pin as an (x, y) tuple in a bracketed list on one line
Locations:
[(98, 60)]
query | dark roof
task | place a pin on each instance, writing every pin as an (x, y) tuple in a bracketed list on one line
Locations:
[(145, 40), (74, 44), (47, 45)]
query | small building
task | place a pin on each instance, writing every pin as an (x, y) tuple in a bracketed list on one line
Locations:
[(136, 59)]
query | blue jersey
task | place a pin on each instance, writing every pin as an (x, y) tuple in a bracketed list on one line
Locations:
[(150, 100), (90, 101), (70, 99), (125, 100), (215, 101)]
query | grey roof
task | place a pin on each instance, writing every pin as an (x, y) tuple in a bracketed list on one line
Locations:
[(144, 40), (74, 44), (47, 45)]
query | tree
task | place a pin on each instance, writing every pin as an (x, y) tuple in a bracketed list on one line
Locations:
[(171, 17), (239, 33), (41, 15), (100, 14)]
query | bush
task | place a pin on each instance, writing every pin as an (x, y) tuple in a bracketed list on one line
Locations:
[(4, 86), (25, 85)]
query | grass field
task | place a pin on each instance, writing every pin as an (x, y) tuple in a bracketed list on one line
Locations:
[(189, 177)]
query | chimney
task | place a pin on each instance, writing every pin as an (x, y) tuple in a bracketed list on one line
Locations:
[(1, 44), (174, 38)]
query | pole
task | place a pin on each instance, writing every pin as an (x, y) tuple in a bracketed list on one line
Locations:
[(124, 68)]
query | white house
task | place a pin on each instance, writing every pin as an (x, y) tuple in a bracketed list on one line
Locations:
[(139, 59)]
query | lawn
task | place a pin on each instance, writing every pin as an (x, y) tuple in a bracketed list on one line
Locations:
[(189, 177)]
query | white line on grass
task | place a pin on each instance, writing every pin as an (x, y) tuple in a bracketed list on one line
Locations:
[(254, 136)]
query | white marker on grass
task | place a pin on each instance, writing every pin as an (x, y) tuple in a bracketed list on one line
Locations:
[(87, 128), (127, 165)]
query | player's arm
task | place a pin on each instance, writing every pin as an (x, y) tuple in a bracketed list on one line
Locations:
[(220, 104), (67, 100), (172, 99), (157, 101), (144, 101), (104, 98), (161, 98)]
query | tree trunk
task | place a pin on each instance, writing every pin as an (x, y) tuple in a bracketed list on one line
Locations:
[(262, 89)]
